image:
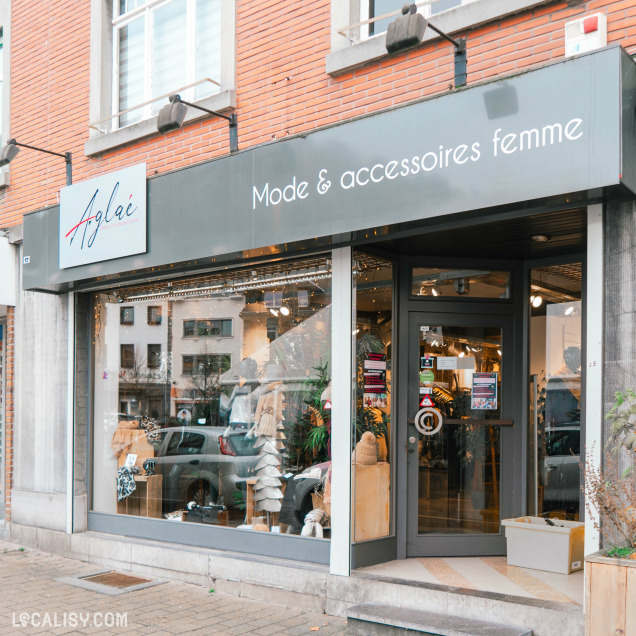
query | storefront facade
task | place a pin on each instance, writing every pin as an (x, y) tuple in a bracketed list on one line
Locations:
[(400, 271)]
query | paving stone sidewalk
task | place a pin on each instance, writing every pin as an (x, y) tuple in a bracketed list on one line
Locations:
[(30, 595)]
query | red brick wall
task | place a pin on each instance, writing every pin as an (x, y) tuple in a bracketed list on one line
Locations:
[(277, 40), (8, 412)]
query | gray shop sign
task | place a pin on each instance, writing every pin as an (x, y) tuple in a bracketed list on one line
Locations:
[(544, 133)]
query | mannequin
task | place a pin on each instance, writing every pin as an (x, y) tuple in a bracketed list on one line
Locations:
[(245, 395)]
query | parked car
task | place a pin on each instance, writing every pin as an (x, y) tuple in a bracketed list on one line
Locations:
[(561, 468), (202, 464)]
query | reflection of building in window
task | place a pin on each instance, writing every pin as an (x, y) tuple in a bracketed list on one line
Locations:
[(154, 315), (126, 315), (154, 356), (205, 364), (207, 328), (127, 356)]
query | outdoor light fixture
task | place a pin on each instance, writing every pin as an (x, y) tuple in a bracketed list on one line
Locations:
[(172, 115), (9, 151), (407, 31)]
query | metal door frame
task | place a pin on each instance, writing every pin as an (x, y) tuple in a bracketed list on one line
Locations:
[(461, 544), (512, 310)]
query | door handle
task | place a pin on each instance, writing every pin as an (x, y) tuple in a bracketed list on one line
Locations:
[(194, 462)]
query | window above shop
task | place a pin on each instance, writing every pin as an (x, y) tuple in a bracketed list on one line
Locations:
[(358, 27), (127, 358), (126, 315), (143, 51), (207, 328), (207, 364), (154, 315), (154, 356), (443, 283)]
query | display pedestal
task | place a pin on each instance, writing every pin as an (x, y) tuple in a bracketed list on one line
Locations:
[(146, 500), (372, 506)]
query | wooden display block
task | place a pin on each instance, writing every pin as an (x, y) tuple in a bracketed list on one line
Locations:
[(372, 502), (146, 500)]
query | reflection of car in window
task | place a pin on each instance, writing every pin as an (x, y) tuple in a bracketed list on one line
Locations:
[(561, 469), (201, 464)]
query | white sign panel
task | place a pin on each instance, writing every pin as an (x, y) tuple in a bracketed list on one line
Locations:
[(103, 218), (7, 272)]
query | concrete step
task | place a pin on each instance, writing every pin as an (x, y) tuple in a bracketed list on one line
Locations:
[(371, 619)]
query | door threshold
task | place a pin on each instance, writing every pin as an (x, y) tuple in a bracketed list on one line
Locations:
[(485, 577)]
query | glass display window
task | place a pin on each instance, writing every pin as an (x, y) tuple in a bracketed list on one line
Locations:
[(217, 409), (372, 454)]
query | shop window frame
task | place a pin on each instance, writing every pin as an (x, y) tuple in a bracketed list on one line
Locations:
[(352, 50), (103, 136), (309, 550)]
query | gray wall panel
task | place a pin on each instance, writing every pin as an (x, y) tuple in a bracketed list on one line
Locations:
[(210, 209)]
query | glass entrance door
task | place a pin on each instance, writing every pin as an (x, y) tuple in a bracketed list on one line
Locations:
[(459, 458)]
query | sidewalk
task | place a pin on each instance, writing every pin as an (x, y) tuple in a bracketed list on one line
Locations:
[(33, 601)]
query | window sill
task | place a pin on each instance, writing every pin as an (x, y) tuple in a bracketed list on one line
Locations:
[(455, 21), (102, 143)]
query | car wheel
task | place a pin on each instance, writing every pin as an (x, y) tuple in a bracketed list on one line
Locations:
[(203, 494)]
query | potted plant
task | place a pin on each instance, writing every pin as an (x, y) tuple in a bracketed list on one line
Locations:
[(610, 494)]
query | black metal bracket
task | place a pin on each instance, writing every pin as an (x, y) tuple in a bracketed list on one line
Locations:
[(460, 49), (231, 118), (66, 156)]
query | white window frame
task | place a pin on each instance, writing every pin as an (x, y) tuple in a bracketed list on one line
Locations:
[(103, 136), (5, 23), (354, 51)]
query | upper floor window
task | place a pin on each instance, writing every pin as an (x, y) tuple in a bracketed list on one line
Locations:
[(154, 315), (204, 328), (164, 46), (377, 8), (126, 315)]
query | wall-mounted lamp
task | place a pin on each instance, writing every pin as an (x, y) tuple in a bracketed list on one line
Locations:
[(172, 115), (408, 30), (9, 151)]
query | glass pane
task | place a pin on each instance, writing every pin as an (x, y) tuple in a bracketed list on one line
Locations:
[(130, 5), (169, 42), (444, 5), (131, 70), (374, 348), (207, 58), (380, 7), (459, 463), (435, 282), (236, 420), (554, 442)]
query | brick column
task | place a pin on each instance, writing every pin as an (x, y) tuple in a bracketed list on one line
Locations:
[(9, 411)]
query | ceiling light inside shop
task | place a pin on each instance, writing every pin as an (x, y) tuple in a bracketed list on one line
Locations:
[(540, 238), (536, 301), (284, 310), (434, 291), (569, 311), (274, 312)]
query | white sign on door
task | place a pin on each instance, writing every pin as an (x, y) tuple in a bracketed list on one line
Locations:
[(103, 218)]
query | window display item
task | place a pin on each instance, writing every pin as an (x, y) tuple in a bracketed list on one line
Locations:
[(258, 524), (126, 482), (314, 521), (366, 451), (245, 395)]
